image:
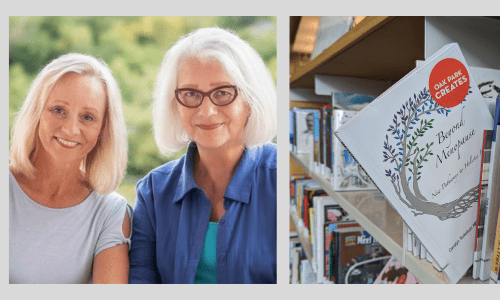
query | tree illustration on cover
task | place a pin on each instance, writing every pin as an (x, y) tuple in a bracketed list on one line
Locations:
[(409, 124)]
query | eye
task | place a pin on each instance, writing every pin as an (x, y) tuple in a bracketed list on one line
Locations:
[(88, 118), (190, 94), (57, 110)]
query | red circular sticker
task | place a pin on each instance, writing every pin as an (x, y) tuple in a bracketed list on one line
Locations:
[(449, 82)]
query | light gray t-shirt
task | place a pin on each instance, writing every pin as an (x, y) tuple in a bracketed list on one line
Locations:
[(58, 245)]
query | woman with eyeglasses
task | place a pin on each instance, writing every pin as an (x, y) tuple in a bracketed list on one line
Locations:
[(210, 216)]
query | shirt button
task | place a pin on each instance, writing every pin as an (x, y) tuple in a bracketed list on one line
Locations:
[(222, 257)]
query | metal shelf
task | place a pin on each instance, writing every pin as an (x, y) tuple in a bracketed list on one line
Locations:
[(375, 214)]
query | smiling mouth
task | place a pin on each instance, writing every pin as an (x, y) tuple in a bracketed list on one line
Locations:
[(210, 127), (66, 143)]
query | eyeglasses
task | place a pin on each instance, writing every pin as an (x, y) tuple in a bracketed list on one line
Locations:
[(220, 96)]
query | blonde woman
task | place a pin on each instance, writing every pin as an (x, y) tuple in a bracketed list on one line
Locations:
[(210, 217), (68, 155)]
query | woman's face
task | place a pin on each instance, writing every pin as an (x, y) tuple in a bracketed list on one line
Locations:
[(72, 118), (209, 125)]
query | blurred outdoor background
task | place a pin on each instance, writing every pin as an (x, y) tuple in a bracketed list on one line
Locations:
[(133, 48)]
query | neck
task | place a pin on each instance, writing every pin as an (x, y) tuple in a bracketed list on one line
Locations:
[(54, 181), (215, 166)]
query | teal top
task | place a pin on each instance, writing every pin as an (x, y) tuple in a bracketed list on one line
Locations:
[(207, 267)]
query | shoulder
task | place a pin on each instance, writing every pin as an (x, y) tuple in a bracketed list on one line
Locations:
[(109, 203), (265, 155), (162, 173)]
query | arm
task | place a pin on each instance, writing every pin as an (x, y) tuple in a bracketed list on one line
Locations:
[(111, 265)]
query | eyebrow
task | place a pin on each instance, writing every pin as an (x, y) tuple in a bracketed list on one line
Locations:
[(86, 108), (214, 84)]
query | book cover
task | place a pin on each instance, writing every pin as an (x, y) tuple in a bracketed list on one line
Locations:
[(327, 217), (293, 179), (299, 195), (330, 29), (304, 129), (492, 199), (350, 246), (421, 144), (395, 273), (328, 243), (349, 101), (306, 273), (348, 175), (310, 190)]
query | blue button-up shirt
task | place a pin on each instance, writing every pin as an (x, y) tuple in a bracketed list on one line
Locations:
[(171, 218)]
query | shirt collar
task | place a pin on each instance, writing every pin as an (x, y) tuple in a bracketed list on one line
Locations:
[(239, 186), (186, 180)]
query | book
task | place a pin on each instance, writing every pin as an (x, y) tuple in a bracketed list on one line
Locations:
[(492, 198), (325, 136), (420, 142), (293, 179), (350, 101), (324, 258), (350, 246), (299, 195), (306, 273), (330, 29), (304, 129), (296, 257), (314, 159), (482, 203), (395, 273), (348, 175), (495, 262), (291, 126), (310, 190)]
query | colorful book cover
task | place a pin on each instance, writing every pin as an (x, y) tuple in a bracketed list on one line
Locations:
[(395, 273), (421, 144), (348, 175), (299, 194), (350, 246), (348, 101), (310, 190), (492, 198), (294, 178), (327, 245), (328, 216)]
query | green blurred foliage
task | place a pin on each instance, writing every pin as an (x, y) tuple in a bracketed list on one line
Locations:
[(133, 48)]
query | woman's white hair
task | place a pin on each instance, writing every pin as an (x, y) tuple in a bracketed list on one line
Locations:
[(105, 165), (242, 64)]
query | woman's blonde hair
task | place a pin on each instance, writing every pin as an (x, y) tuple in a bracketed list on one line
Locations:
[(105, 165), (242, 64)]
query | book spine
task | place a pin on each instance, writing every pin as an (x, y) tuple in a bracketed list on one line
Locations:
[(316, 142), (495, 265)]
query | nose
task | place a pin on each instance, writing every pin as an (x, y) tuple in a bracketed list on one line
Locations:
[(71, 125), (207, 108)]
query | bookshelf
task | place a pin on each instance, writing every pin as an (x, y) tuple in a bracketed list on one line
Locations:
[(378, 48), (374, 213)]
